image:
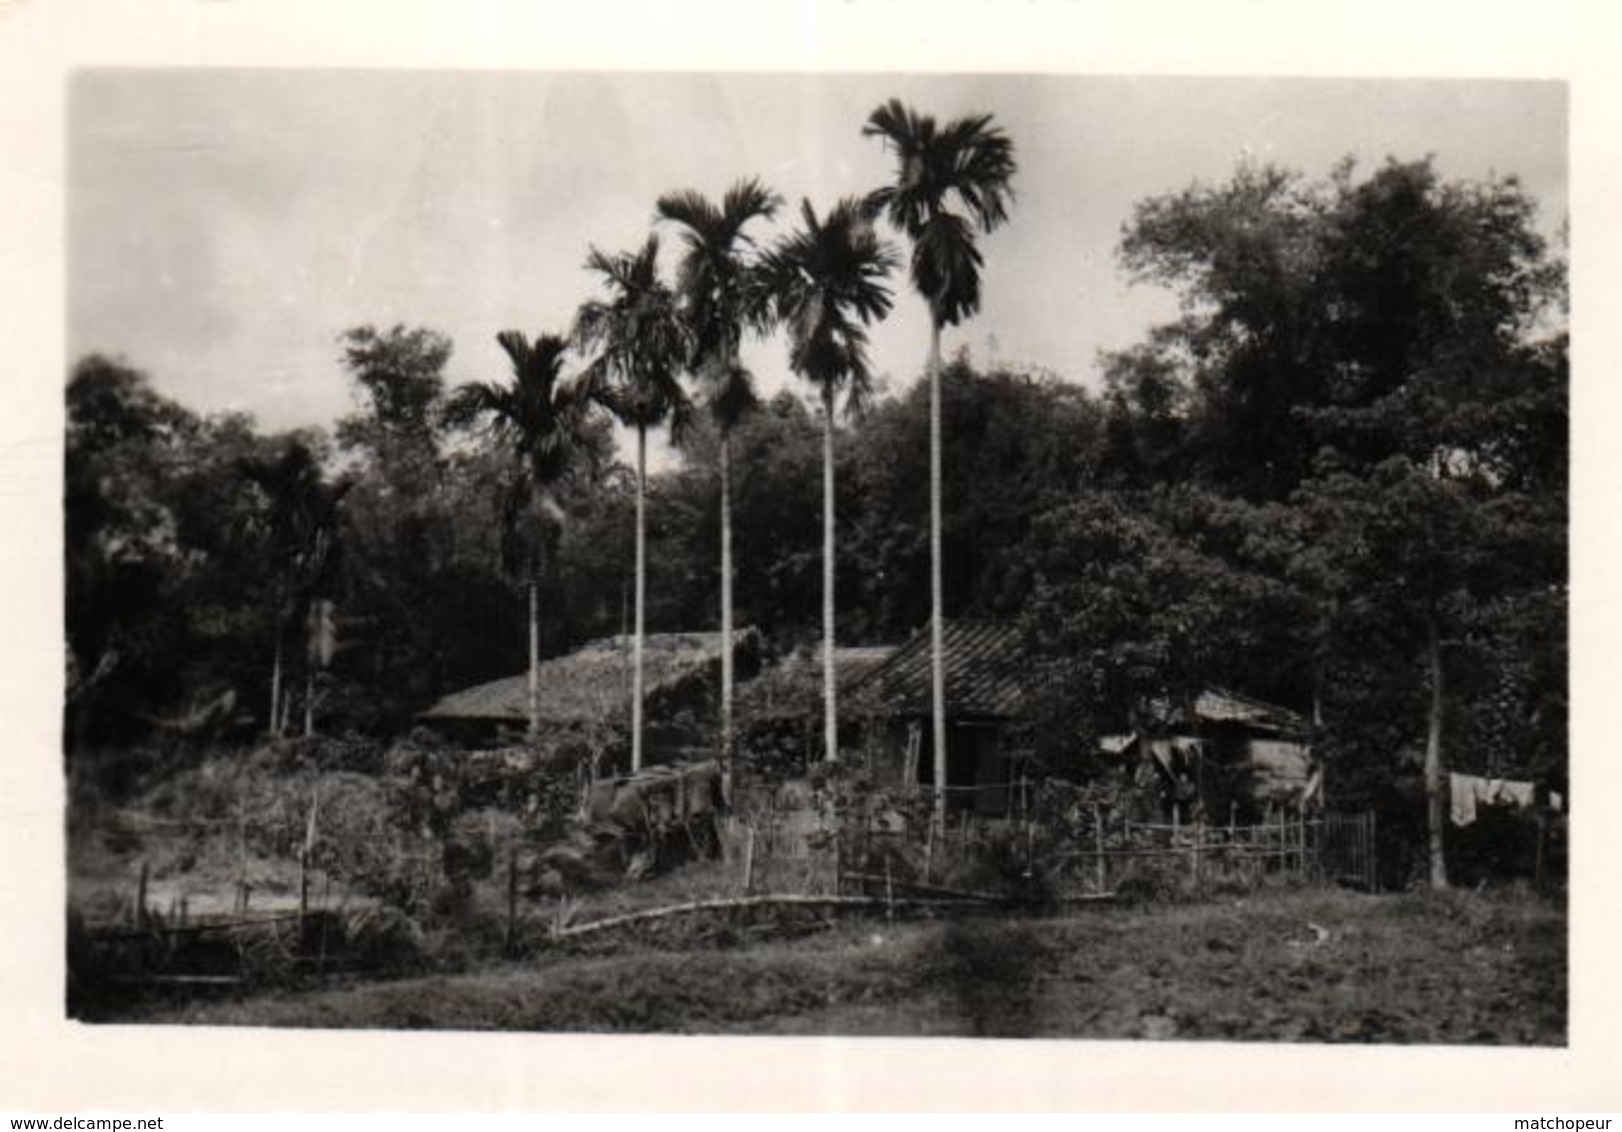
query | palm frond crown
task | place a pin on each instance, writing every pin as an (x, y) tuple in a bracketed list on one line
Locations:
[(967, 164), (639, 338), (826, 284), (715, 285)]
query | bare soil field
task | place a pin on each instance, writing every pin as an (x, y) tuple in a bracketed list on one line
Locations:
[(1300, 965)]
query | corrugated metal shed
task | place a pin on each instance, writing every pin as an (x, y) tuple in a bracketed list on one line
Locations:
[(593, 683), (986, 670)]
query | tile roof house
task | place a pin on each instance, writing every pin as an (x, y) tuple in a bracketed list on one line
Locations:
[(987, 676)]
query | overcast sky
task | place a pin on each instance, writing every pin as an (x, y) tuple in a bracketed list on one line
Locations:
[(225, 226)]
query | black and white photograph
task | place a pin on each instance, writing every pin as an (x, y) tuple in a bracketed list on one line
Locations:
[(979, 556), (810, 558)]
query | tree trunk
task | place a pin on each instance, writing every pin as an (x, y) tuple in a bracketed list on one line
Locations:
[(276, 687), (533, 691), (937, 659), (309, 700), (726, 614), (830, 708), (641, 593), (1436, 793)]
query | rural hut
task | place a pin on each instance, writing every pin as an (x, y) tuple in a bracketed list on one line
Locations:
[(986, 676), (1224, 754), (779, 713), (590, 689)]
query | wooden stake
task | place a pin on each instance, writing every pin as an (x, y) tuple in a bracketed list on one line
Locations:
[(1373, 854), (1194, 853), (839, 862), (512, 900), (929, 849), (889, 888), (1098, 846), (140, 898)]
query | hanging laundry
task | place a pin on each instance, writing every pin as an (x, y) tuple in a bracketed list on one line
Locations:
[(1468, 791), (1463, 790), (1504, 792)]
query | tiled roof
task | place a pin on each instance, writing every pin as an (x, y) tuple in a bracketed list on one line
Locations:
[(793, 686), (593, 683), (986, 670)]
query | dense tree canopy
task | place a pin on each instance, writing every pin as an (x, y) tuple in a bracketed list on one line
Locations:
[(1338, 478)]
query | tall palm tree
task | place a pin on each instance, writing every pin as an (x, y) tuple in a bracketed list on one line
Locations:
[(969, 162), (298, 521), (544, 421), (642, 344), (714, 285), (826, 283)]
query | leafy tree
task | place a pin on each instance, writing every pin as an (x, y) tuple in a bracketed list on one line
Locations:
[(716, 288), (545, 423), (401, 374), (642, 344), (969, 161), (297, 514), (826, 283), (126, 449), (1144, 597), (1017, 444), (1383, 359)]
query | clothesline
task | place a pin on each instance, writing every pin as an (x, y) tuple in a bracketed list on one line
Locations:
[(1468, 791)]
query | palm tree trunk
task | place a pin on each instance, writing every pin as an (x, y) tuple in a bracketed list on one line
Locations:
[(276, 686), (726, 614), (641, 593), (830, 709), (1435, 783), (533, 703), (937, 659)]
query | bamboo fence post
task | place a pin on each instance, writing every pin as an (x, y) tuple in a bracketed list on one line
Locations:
[(1374, 856), (929, 847), (749, 859), (1030, 861), (140, 897), (1098, 846), (512, 900), (1198, 827), (839, 861), (242, 852), (1283, 849)]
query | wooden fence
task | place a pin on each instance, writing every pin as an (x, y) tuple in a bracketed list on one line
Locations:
[(1092, 856)]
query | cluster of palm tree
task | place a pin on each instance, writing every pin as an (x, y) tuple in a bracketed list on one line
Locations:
[(824, 283)]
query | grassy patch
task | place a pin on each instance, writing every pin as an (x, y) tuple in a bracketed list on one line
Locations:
[(1311, 966)]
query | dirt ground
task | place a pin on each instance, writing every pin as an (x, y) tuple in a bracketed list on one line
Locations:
[(1305, 965)]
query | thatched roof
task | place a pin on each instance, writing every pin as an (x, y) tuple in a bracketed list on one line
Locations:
[(986, 673), (593, 683), (792, 688)]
